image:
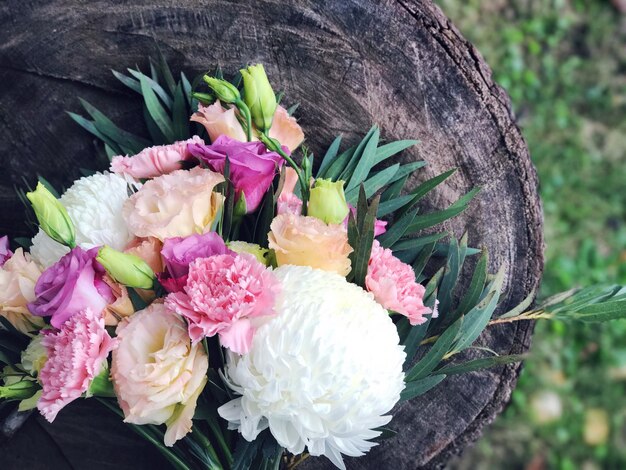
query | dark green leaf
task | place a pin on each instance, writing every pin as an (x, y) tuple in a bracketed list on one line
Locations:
[(428, 220), (398, 229), (158, 90), (129, 82), (476, 287), (374, 183), (419, 387), (364, 164), (352, 163), (388, 150), (158, 114), (180, 115), (477, 364), (330, 156)]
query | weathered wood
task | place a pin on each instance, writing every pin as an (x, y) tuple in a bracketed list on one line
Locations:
[(349, 63)]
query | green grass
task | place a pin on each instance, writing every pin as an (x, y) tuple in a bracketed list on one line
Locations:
[(564, 65)]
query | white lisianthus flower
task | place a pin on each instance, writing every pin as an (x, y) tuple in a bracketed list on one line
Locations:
[(94, 203), (323, 373)]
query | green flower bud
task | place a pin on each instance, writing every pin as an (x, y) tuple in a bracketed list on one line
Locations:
[(259, 96), (35, 355), (52, 216), (251, 248), (225, 91), (327, 201), (126, 269)]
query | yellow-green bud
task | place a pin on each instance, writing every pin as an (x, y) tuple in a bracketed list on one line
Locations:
[(259, 96), (35, 355), (126, 269), (52, 216), (251, 248), (224, 90), (327, 201)]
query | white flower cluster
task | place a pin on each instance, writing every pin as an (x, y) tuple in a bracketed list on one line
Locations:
[(94, 203), (323, 373)]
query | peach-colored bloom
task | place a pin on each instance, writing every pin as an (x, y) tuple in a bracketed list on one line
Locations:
[(288, 202), (286, 129), (157, 373), (394, 287), (77, 353), (174, 205), (121, 307), (307, 241), (219, 121), (154, 161), (149, 250), (18, 277)]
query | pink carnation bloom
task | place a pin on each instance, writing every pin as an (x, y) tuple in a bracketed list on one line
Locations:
[(76, 354), (393, 284), (154, 161), (226, 295)]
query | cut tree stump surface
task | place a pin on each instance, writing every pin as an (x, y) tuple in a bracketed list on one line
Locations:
[(349, 63)]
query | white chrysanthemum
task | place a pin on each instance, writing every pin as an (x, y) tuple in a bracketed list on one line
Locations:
[(94, 203), (322, 373)]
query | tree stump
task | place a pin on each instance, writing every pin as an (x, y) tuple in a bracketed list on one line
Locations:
[(349, 63)]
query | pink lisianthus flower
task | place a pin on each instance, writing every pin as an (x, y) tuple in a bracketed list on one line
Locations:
[(154, 161), (288, 202), (76, 354), (380, 226), (178, 253), (252, 166), (286, 129), (219, 121), (5, 251), (71, 285), (230, 295), (394, 287)]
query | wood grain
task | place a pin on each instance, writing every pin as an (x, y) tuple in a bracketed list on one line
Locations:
[(349, 63)]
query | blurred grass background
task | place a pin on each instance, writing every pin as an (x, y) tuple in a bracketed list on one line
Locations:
[(563, 62)]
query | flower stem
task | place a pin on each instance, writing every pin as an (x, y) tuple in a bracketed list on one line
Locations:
[(243, 109), (206, 443)]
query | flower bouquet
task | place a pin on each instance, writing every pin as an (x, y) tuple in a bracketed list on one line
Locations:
[(236, 303)]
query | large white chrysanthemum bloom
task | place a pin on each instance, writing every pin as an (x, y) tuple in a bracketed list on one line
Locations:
[(94, 203), (323, 373)]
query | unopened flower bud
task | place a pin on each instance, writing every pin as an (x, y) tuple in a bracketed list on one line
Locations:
[(224, 90), (327, 201), (259, 96), (52, 216), (127, 269)]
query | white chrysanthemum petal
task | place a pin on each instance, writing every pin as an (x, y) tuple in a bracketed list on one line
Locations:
[(323, 373), (94, 203)]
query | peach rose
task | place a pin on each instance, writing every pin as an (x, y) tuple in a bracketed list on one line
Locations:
[(174, 205), (219, 121), (157, 374), (307, 241), (18, 277), (286, 130)]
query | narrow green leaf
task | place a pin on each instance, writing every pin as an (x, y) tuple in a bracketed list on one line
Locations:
[(392, 148), (521, 307), (407, 170), (394, 189), (126, 80), (330, 156), (428, 185), (407, 243), (166, 99), (162, 120), (180, 115), (419, 387), (597, 312), (158, 138), (352, 163), (264, 220), (478, 364), (166, 72), (422, 259), (338, 164), (374, 183), (428, 220), (449, 280), (90, 127), (476, 287), (365, 162), (398, 229), (394, 204)]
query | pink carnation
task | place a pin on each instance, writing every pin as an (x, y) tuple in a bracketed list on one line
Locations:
[(393, 284), (226, 295), (76, 354), (154, 161)]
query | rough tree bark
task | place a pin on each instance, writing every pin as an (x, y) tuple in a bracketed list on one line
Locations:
[(349, 63)]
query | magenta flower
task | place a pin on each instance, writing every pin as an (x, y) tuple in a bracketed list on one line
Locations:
[(71, 285), (393, 284), (76, 354), (252, 167), (227, 295), (5, 251), (179, 252)]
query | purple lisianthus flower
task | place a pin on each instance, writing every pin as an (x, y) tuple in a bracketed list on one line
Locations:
[(252, 167), (178, 253), (5, 251), (71, 285)]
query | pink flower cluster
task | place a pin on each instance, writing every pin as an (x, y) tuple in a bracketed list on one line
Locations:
[(394, 287), (76, 355), (226, 295)]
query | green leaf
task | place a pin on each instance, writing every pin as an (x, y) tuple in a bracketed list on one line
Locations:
[(330, 156), (164, 68), (419, 387), (435, 354), (156, 111), (407, 170), (374, 183), (521, 307), (394, 204), (476, 287), (412, 341), (180, 115), (364, 164), (597, 312), (398, 229), (428, 220), (126, 80), (477, 364), (450, 277), (154, 86), (264, 220), (427, 186), (338, 165), (90, 127), (364, 247), (392, 148), (421, 260), (408, 243), (394, 189), (346, 174)]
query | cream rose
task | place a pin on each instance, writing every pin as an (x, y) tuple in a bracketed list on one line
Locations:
[(174, 205), (307, 241), (18, 277), (157, 374)]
